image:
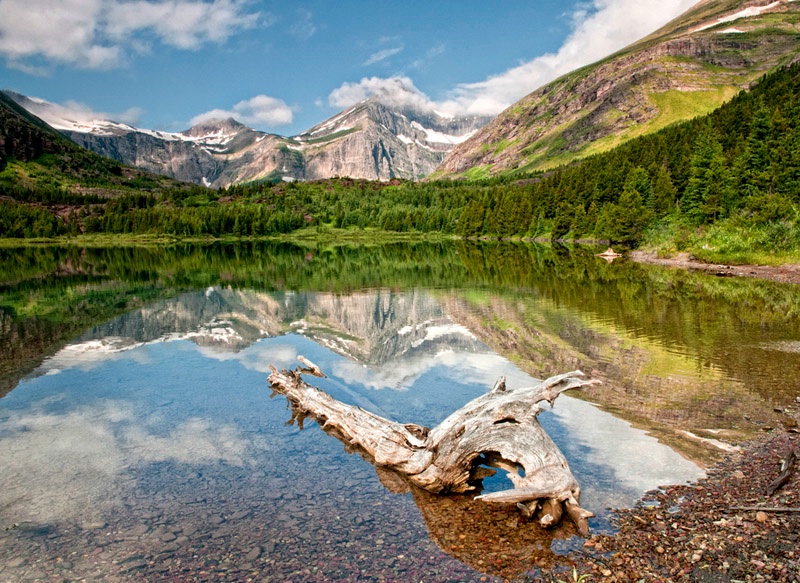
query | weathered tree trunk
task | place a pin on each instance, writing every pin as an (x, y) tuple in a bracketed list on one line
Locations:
[(498, 430)]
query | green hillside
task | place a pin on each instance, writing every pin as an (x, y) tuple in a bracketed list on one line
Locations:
[(687, 69), (44, 178)]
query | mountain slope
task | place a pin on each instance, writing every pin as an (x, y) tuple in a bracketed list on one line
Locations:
[(368, 141), (688, 68), (35, 156)]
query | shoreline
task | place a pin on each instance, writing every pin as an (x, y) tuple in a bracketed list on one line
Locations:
[(778, 273), (722, 528)]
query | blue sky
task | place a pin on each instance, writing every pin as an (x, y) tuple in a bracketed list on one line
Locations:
[(286, 66)]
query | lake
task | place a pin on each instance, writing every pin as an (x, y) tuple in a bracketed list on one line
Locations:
[(138, 439)]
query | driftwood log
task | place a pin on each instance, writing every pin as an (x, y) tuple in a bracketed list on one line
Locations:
[(787, 467), (497, 430)]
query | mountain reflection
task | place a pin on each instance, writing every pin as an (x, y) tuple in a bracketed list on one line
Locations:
[(135, 393), (139, 398)]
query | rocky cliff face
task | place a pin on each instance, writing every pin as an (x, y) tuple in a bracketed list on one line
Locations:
[(369, 141), (688, 68), (375, 142)]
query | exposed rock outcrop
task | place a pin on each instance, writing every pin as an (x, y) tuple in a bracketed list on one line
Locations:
[(373, 141)]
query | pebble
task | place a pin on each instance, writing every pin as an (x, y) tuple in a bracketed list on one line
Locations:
[(253, 554), (134, 566), (139, 530)]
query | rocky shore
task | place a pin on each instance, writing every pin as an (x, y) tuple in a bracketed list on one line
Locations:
[(725, 528), (780, 273)]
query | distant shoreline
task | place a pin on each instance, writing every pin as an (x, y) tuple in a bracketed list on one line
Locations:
[(779, 273)]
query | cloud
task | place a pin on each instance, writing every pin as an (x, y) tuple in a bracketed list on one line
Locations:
[(600, 28), (430, 55), (398, 91), (382, 55), (93, 446), (305, 27), (481, 368), (72, 111), (257, 357), (261, 110), (99, 34)]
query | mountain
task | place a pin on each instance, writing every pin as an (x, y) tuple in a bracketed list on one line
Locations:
[(398, 334), (370, 141), (687, 68), (33, 154), (374, 141)]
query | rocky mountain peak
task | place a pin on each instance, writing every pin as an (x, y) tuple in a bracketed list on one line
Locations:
[(371, 140), (219, 126)]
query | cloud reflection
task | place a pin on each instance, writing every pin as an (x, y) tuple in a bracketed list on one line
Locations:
[(257, 357), (86, 356), (482, 368), (72, 465), (638, 461)]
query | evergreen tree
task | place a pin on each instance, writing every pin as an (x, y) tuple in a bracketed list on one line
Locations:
[(707, 190), (664, 194)]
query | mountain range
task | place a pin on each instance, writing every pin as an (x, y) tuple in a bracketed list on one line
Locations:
[(368, 141), (688, 68)]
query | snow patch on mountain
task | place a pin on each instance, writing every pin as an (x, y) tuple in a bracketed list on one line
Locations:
[(441, 138), (745, 13)]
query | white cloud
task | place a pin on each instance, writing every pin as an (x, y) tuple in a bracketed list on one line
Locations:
[(483, 368), (73, 111), (261, 110), (382, 55), (305, 27), (92, 447), (257, 357), (430, 55), (599, 29), (97, 34), (397, 91)]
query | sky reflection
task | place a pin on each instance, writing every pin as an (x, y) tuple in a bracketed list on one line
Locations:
[(110, 416)]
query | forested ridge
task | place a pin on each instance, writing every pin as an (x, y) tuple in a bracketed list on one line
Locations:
[(728, 179)]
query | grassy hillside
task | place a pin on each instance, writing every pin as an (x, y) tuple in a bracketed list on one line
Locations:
[(686, 69), (45, 178), (35, 157)]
